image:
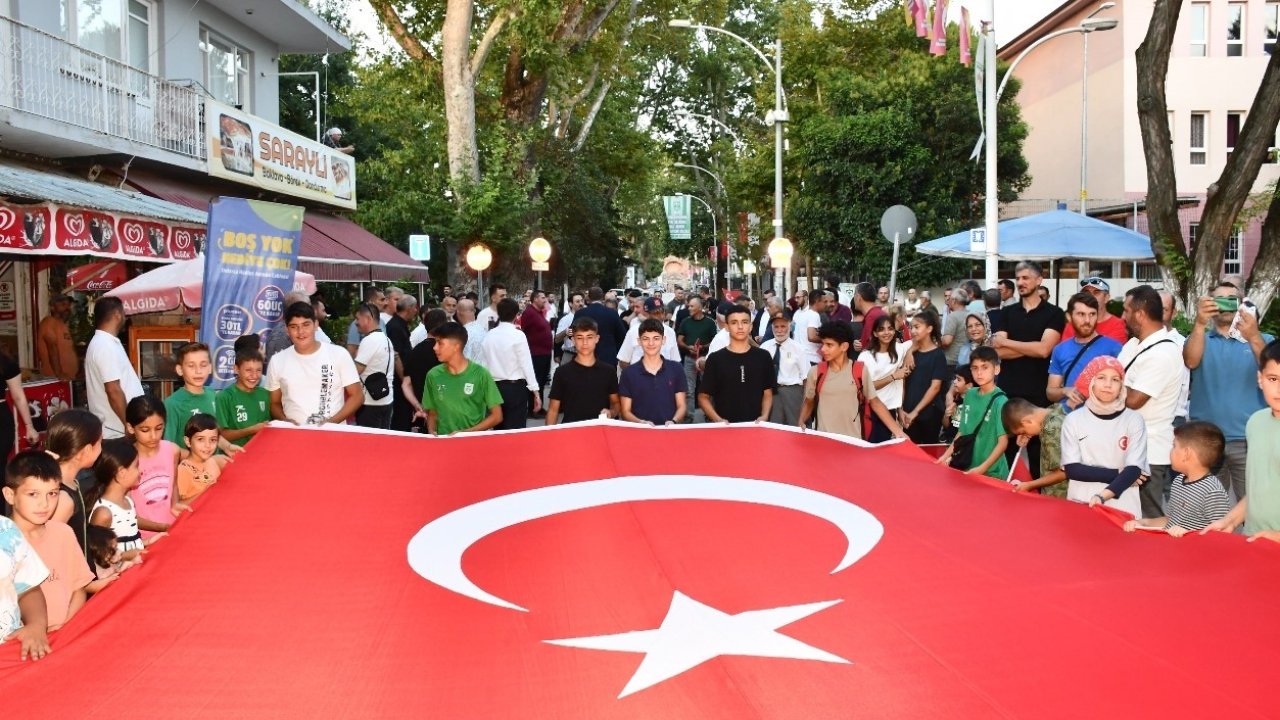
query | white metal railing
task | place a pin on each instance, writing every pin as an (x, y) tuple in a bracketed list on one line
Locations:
[(44, 75)]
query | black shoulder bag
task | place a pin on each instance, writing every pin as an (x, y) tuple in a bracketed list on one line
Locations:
[(962, 446), (376, 384)]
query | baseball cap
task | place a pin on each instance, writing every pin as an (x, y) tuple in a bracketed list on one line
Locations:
[(1096, 283), (652, 304)]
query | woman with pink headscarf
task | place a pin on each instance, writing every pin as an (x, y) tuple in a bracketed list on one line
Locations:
[(1104, 443)]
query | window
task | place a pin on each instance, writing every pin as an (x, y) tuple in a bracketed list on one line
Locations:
[(1198, 153), (1271, 26), (1235, 248), (226, 69), (119, 29), (1234, 121), (1193, 234), (1199, 29), (1235, 30)]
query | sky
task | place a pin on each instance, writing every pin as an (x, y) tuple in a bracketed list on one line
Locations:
[(1012, 16)]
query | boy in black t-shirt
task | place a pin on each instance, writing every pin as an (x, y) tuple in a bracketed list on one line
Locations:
[(737, 382), (583, 389)]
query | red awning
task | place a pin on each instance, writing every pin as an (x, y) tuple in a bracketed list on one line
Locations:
[(97, 276), (334, 249)]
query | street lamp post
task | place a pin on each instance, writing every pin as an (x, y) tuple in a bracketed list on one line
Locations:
[(1084, 115), (1090, 24), (479, 258), (780, 115), (714, 232), (540, 253), (724, 195), (314, 96), (780, 251)]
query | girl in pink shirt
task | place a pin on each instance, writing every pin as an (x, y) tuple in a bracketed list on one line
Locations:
[(155, 499)]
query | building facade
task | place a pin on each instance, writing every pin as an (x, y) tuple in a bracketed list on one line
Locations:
[(1219, 55), (121, 119)]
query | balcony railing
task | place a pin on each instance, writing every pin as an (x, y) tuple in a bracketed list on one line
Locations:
[(47, 76)]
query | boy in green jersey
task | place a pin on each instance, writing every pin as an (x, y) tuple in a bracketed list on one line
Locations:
[(244, 408), (459, 395)]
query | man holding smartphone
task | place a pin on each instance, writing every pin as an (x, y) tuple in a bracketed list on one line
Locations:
[(1222, 353)]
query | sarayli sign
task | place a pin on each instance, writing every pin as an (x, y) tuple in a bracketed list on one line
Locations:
[(250, 150), (50, 229)]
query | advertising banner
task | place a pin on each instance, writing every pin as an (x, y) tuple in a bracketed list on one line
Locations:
[(250, 265), (45, 398), (246, 149), (679, 214), (52, 229)]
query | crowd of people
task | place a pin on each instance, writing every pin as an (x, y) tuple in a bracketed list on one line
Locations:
[(1182, 433)]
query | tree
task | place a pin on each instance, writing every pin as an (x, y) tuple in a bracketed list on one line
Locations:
[(876, 122), (1192, 272)]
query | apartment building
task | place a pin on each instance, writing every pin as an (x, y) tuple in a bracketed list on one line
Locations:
[(121, 119), (1219, 55)]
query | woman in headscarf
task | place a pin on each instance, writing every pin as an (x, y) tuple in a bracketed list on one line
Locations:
[(1104, 443), (977, 330)]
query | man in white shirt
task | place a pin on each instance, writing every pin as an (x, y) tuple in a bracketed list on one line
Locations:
[(806, 323), (489, 315), (630, 350), (790, 367), (505, 354), (476, 329), (110, 381), (1154, 374), (563, 334), (312, 383), (374, 356)]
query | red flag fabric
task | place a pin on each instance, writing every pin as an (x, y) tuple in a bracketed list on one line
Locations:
[(966, 52), (606, 571), (938, 44)]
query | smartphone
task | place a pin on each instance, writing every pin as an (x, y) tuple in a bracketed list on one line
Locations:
[(1227, 304)]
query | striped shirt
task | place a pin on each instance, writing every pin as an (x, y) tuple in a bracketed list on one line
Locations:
[(1195, 504)]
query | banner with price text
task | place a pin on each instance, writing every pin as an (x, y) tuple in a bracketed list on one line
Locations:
[(253, 253)]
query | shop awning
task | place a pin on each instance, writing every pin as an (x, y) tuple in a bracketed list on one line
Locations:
[(334, 249), (44, 213), (97, 276)]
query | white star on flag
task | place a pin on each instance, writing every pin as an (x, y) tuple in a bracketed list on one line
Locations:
[(693, 633)]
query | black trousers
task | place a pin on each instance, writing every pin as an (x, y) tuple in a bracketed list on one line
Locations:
[(515, 404)]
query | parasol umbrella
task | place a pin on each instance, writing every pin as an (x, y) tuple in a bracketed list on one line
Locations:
[(179, 284)]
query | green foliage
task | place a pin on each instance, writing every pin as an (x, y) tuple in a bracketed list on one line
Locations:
[(879, 122)]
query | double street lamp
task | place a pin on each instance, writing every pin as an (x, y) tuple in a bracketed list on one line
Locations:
[(779, 107)]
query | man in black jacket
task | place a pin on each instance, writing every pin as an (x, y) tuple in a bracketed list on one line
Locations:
[(611, 328)]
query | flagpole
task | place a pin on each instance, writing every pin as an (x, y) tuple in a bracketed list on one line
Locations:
[(992, 204)]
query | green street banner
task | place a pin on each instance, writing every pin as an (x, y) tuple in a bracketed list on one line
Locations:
[(679, 216)]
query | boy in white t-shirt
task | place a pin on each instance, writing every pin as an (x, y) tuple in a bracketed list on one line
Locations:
[(312, 383), (23, 615)]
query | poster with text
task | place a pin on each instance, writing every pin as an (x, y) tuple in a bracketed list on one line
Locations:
[(250, 265), (246, 149)]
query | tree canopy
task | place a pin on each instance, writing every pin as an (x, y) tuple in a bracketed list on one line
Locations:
[(579, 109)]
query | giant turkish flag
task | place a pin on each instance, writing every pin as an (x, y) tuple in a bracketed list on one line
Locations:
[(607, 571)]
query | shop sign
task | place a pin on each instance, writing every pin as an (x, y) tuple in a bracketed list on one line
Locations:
[(246, 149), (51, 229)]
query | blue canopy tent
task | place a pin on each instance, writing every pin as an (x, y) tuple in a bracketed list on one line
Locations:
[(1051, 235)]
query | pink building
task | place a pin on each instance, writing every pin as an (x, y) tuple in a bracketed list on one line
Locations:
[(1219, 56)]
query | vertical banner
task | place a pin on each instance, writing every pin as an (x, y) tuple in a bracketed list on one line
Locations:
[(679, 213), (252, 258)]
